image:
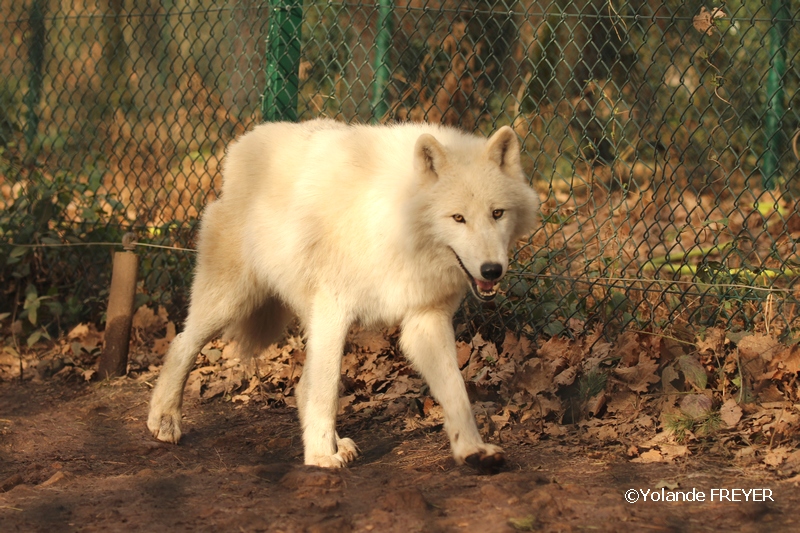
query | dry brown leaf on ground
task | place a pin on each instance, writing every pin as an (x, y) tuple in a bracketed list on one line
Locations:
[(627, 349), (622, 403), (554, 348), (599, 430), (662, 437), (475, 362), (784, 426), (696, 405), (776, 456), (535, 377), (792, 463), (786, 362), (149, 321), (346, 402), (598, 353), (401, 386), (565, 377), (674, 451), (194, 384), (463, 351), (669, 378), (639, 377), (543, 405), (730, 413), (516, 348), (712, 341), (501, 419), (84, 339), (771, 393), (368, 340), (693, 371), (650, 456), (595, 404), (242, 399), (665, 453), (755, 351)]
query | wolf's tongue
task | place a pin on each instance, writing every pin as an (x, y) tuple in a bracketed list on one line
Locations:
[(484, 285)]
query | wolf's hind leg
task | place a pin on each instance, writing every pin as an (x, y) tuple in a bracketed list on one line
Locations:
[(164, 419), (318, 390), (214, 306), (427, 339)]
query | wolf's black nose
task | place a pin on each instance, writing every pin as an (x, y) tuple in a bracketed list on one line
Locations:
[(491, 271)]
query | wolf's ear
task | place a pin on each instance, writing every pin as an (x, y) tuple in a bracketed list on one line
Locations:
[(428, 156), (503, 148)]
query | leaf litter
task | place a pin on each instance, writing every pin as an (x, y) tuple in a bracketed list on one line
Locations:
[(660, 399)]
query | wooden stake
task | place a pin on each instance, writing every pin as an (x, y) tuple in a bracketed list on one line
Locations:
[(114, 359)]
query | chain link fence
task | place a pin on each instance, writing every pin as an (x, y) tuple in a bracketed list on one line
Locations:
[(661, 136)]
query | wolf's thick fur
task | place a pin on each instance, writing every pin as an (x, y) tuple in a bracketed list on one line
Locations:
[(339, 224)]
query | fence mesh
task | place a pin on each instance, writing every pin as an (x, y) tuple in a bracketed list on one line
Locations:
[(661, 136)]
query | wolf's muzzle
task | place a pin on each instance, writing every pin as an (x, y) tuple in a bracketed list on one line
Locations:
[(483, 290)]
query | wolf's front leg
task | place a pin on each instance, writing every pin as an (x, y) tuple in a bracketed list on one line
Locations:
[(429, 343), (318, 390)]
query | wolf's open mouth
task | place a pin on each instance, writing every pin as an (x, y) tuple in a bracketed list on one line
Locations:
[(484, 290)]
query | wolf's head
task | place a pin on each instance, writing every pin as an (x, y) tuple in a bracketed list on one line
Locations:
[(478, 202)]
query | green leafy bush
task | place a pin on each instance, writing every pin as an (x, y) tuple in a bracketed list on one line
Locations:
[(51, 274)]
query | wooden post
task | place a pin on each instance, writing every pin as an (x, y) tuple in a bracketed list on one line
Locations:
[(114, 359)]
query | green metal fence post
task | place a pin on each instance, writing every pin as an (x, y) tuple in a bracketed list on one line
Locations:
[(383, 44), (36, 41), (283, 61), (775, 140)]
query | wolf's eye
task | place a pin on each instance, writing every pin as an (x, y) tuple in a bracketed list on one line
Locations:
[(498, 213), (459, 218)]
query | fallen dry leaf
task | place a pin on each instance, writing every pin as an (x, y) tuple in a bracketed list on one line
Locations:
[(786, 361), (463, 351), (622, 403), (640, 376), (627, 349), (148, 321), (554, 348), (650, 456), (595, 404), (776, 456), (759, 345), (713, 341), (368, 340), (730, 412), (693, 371), (78, 332), (696, 405), (673, 451), (535, 377)]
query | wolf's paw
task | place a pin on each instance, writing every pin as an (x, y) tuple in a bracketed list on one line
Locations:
[(326, 461), (487, 459), (165, 426), (347, 451)]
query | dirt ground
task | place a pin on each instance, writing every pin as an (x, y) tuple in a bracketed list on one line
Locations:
[(77, 457)]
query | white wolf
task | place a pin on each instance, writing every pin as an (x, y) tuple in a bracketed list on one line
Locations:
[(337, 224)]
